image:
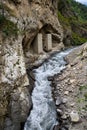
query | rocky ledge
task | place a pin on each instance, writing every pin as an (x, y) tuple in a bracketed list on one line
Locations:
[(69, 91)]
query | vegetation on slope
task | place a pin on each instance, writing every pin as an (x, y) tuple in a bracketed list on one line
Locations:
[(73, 17), (8, 27), (80, 9)]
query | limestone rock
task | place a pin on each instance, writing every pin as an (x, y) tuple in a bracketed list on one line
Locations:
[(58, 101), (64, 116), (74, 116), (14, 93), (72, 104), (66, 92), (65, 100)]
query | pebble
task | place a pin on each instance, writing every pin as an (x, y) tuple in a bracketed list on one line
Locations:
[(74, 116), (56, 127), (60, 112), (64, 100), (69, 66), (66, 92), (64, 116), (50, 78), (72, 80), (72, 104), (63, 129), (58, 101), (71, 90)]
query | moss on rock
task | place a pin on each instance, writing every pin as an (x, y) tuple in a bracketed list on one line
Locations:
[(8, 27)]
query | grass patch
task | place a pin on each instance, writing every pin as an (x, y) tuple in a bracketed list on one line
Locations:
[(83, 87), (85, 95), (82, 98), (85, 108)]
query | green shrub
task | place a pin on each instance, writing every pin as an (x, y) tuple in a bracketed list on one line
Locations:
[(8, 27), (63, 19), (77, 40), (2, 18)]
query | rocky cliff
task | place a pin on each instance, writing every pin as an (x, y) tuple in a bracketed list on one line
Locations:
[(20, 22)]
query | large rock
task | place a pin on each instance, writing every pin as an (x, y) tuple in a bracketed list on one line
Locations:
[(74, 117)]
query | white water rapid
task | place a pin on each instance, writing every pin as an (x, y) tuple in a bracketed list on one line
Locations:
[(43, 114)]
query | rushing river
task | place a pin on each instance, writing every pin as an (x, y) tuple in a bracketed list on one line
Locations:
[(43, 114)]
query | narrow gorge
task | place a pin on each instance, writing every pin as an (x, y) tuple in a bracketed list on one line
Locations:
[(33, 37), (43, 115)]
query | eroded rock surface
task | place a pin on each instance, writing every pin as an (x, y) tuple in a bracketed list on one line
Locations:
[(14, 94)]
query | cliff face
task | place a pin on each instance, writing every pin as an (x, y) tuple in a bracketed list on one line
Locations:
[(20, 22)]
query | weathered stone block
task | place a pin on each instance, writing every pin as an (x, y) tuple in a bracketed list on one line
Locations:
[(37, 45), (48, 42)]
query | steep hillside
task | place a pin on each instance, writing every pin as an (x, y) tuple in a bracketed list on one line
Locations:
[(73, 18)]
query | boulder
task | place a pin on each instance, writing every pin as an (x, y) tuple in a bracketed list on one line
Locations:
[(74, 117)]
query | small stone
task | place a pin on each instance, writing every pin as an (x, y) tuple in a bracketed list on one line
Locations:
[(64, 100), (63, 128), (72, 80), (66, 92), (67, 127), (58, 101), (72, 104), (64, 116), (74, 116), (71, 90), (60, 112), (50, 78), (56, 127), (68, 66)]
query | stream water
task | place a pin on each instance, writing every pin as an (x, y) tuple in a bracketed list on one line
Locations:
[(43, 114)]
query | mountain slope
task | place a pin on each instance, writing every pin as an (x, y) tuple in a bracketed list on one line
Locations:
[(73, 18)]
